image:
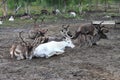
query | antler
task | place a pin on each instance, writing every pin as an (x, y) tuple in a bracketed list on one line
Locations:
[(65, 28), (65, 34), (22, 38), (34, 42), (65, 31)]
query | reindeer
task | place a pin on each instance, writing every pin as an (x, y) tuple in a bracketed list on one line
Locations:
[(52, 48), (88, 33), (22, 49)]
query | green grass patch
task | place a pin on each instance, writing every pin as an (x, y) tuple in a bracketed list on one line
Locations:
[(17, 23)]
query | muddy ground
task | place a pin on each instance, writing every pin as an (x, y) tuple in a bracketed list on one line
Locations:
[(100, 62)]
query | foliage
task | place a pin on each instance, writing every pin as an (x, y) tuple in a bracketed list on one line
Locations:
[(75, 5)]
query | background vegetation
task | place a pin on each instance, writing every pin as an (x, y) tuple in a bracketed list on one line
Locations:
[(10, 7)]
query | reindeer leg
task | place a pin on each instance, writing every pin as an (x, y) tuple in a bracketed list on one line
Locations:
[(80, 40), (89, 40), (51, 54), (61, 51), (58, 53), (21, 56), (26, 55), (31, 56), (11, 54), (17, 54), (86, 40)]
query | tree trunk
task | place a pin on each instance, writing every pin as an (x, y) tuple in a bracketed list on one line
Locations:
[(80, 6), (105, 5), (64, 1), (96, 5), (27, 8), (119, 8), (90, 4), (4, 7)]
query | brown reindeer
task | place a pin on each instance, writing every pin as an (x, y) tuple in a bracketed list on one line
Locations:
[(22, 49), (88, 33)]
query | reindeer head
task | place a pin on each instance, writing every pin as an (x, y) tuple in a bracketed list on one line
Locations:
[(69, 42), (101, 30), (22, 49), (43, 31), (67, 39)]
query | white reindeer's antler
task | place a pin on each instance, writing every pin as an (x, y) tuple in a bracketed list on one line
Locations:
[(65, 34), (65, 31)]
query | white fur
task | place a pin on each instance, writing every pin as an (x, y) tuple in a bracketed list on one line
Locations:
[(51, 48), (57, 11), (73, 14), (1, 22), (11, 18)]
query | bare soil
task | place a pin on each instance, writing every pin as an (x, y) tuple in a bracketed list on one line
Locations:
[(100, 62)]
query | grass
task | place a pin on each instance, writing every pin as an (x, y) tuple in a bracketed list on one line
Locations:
[(48, 18), (16, 23)]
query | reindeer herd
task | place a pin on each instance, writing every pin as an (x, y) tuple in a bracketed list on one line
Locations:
[(47, 46)]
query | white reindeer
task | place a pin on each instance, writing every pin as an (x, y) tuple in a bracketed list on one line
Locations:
[(51, 48)]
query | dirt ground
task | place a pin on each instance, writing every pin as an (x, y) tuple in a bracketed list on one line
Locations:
[(100, 62)]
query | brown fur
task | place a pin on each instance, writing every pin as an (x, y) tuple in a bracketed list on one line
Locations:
[(21, 50), (88, 33), (36, 32)]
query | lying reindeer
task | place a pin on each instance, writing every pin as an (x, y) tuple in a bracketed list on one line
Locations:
[(52, 48), (21, 50)]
